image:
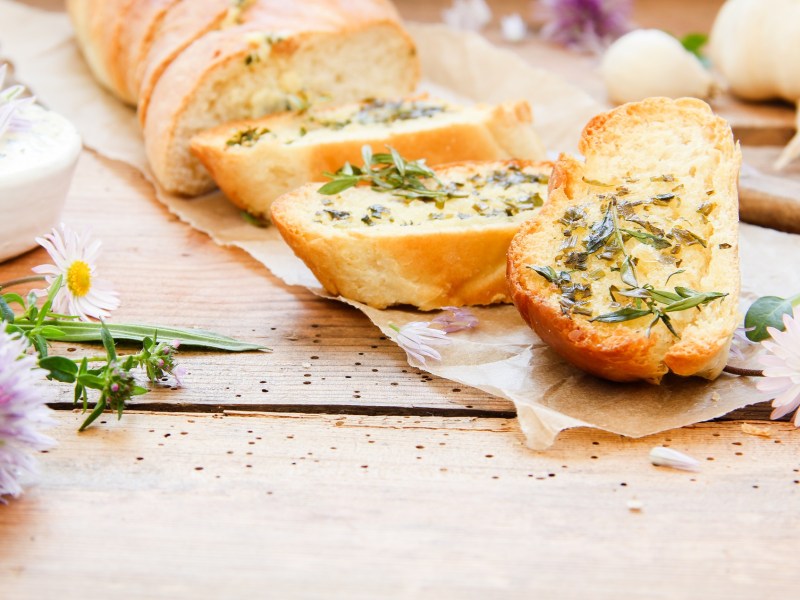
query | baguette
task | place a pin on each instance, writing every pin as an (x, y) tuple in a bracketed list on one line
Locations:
[(190, 65), (256, 161), (383, 250), (230, 74), (660, 176)]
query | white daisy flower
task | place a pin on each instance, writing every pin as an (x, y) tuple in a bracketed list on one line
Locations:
[(417, 339), (781, 363), (81, 294)]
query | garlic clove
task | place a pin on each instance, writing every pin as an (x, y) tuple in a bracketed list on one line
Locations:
[(650, 62), (792, 149)]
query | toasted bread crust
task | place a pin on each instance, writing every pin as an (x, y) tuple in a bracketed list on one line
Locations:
[(165, 57), (634, 143)]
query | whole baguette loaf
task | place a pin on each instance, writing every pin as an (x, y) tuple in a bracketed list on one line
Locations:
[(631, 270), (256, 161), (383, 249), (190, 65)]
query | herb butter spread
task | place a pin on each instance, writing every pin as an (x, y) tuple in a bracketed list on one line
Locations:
[(394, 114), (47, 141), (621, 252), (472, 195)]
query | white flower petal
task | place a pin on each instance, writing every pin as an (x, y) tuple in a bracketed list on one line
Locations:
[(667, 457)]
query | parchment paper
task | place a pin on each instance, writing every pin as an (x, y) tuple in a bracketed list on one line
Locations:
[(502, 356)]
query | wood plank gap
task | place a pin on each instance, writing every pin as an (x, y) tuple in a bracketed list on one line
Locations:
[(316, 409)]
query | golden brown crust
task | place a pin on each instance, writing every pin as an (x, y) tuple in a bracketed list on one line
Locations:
[(428, 268), (634, 143)]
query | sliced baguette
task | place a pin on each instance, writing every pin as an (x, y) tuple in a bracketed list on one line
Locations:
[(256, 161), (679, 162), (235, 74), (384, 250)]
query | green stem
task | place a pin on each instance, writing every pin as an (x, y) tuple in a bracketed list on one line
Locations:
[(21, 280), (794, 300)]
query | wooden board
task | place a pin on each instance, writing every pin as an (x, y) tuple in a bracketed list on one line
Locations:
[(387, 502), (303, 506)]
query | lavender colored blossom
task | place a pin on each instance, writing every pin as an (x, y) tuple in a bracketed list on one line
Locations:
[(22, 413), (418, 338), (454, 319), (10, 105), (587, 25)]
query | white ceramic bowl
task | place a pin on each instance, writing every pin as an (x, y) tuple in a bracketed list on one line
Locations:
[(36, 167)]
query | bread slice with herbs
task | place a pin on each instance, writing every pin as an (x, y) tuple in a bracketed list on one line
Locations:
[(411, 235), (256, 161), (631, 270), (354, 49)]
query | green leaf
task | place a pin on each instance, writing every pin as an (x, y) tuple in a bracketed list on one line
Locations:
[(627, 273), (108, 342), (60, 368), (694, 42), (13, 298), (692, 301), (94, 382), (98, 410), (6, 314), (547, 272), (623, 314), (600, 232), (138, 390), (51, 294), (80, 331), (40, 344), (765, 312), (656, 241), (51, 333), (398, 161), (254, 220), (338, 185), (664, 296)]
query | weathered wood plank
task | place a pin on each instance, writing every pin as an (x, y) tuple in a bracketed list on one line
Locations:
[(364, 507)]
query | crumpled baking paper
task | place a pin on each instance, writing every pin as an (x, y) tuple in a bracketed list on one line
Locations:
[(502, 356)]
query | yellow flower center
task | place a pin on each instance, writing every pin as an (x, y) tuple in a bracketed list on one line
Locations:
[(79, 278)]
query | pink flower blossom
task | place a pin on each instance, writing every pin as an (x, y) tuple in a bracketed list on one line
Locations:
[(454, 319), (781, 362), (587, 25)]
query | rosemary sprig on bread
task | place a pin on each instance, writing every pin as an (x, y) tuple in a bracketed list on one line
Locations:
[(391, 173), (401, 232), (643, 233)]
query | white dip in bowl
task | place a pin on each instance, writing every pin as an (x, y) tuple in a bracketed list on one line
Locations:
[(36, 166)]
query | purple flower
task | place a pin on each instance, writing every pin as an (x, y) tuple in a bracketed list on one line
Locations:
[(588, 25), (22, 412), (454, 319), (10, 105), (418, 339)]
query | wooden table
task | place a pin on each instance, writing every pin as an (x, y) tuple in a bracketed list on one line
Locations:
[(330, 468)]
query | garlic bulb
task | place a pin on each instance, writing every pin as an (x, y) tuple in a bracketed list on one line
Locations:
[(650, 62), (755, 45)]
